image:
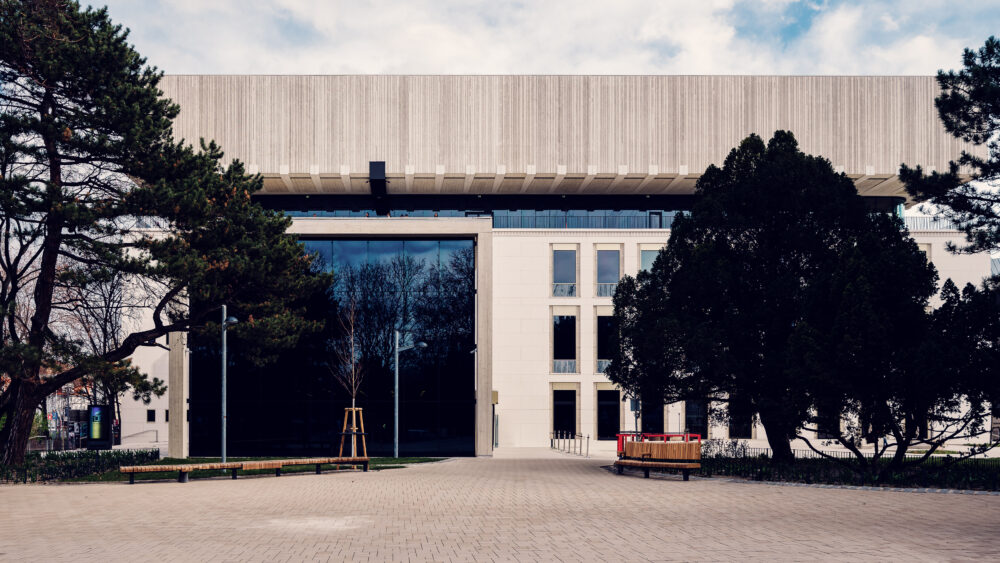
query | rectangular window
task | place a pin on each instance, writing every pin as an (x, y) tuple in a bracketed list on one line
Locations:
[(166, 415), (563, 273), (564, 411), (608, 414), (150, 415), (563, 344), (696, 418), (605, 332), (646, 258), (608, 271)]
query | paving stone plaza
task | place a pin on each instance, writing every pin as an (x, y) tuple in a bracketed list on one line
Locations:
[(521, 504)]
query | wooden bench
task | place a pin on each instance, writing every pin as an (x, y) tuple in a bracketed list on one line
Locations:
[(684, 456), (184, 470)]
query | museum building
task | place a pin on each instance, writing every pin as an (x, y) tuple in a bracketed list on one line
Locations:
[(491, 217)]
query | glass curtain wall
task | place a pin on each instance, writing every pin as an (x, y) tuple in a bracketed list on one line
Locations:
[(293, 404)]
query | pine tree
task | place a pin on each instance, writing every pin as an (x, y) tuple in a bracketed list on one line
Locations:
[(969, 106), (94, 186)]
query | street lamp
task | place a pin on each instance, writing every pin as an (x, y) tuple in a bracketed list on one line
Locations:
[(227, 321), (395, 395)]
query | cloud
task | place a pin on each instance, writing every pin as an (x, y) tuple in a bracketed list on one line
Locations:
[(555, 36)]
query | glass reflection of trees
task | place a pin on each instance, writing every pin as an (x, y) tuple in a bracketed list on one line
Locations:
[(425, 290)]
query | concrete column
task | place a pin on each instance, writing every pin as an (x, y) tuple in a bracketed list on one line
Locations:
[(484, 344), (177, 391)]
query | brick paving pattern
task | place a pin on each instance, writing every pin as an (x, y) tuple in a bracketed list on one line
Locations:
[(523, 505)]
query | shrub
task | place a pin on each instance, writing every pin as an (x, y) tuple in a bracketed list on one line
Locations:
[(54, 466), (736, 460)]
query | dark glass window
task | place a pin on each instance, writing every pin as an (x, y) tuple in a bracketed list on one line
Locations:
[(608, 414), (563, 337), (563, 266), (348, 252), (166, 415), (564, 411), (384, 251), (607, 266), (150, 415), (696, 418), (605, 331)]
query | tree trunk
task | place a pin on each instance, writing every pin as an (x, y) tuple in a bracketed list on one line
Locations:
[(777, 438), (20, 417)]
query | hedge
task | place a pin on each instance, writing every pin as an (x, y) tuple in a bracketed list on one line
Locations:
[(55, 466)]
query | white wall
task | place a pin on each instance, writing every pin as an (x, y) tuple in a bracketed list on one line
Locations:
[(522, 326)]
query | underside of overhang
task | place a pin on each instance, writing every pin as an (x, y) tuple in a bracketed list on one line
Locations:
[(653, 183)]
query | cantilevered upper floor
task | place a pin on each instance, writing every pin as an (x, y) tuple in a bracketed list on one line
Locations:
[(554, 134)]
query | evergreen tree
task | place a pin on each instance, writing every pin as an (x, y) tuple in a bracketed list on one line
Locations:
[(93, 186), (969, 106), (744, 300)]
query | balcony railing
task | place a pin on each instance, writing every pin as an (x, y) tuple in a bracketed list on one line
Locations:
[(929, 224), (602, 365), (503, 221), (564, 290), (563, 366), (606, 289)]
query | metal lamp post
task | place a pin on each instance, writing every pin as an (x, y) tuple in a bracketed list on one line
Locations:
[(227, 321), (395, 394)]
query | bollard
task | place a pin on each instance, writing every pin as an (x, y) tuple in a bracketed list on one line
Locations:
[(588, 446)]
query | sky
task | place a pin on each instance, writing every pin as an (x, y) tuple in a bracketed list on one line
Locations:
[(556, 36)]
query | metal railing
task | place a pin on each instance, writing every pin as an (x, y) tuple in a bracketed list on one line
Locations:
[(570, 442), (563, 366), (929, 224), (575, 222), (564, 290), (606, 289)]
